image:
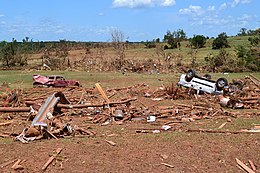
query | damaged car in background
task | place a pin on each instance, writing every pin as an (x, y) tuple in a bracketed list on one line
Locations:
[(221, 87), (205, 84), (53, 81)]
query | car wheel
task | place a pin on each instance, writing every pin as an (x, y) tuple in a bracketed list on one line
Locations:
[(190, 74), (221, 83), (37, 85)]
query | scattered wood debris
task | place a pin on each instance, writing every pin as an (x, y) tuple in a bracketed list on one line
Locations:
[(126, 105)]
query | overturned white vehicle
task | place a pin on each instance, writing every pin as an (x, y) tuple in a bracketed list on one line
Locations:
[(191, 80)]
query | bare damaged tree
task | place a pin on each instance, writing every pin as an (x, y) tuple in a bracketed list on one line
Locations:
[(119, 45)]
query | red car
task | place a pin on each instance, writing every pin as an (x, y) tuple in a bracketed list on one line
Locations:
[(53, 81)]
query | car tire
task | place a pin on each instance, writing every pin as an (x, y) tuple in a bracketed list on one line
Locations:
[(37, 85), (221, 83), (190, 74)]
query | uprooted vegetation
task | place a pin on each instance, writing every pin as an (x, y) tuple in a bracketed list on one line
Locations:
[(120, 55)]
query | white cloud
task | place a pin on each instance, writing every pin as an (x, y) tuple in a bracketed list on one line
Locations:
[(236, 2), (211, 8), (223, 6), (2, 15), (211, 17), (168, 3), (101, 14), (192, 10), (142, 3), (245, 1)]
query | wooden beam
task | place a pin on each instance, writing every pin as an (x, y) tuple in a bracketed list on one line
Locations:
[(246, 168), (15, 109), (51, 158)]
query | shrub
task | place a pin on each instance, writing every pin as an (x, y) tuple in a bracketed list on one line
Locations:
[(220, 41), (198, 41)]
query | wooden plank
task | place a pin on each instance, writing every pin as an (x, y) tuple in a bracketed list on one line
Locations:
[(4, 136), (111, 142), (16, 163), (7, 163), (15, 109), (52, 135), (252, 165), (222, 125), (6, 123), (246, 168), (168, 165), (66, 106), (220, 131), (51, 158), (102, 92)]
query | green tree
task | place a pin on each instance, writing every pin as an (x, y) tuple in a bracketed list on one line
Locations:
[(242, 32), (198, 41), (223, 62), (174, 38), (8, 52), (220, 41), (246, 59)]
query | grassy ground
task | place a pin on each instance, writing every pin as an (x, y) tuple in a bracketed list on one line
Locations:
[(23, 79)]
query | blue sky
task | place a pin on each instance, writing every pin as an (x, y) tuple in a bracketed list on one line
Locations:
[(138, 20)]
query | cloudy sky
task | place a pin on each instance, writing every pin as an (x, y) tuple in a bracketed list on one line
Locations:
[(138, 20)]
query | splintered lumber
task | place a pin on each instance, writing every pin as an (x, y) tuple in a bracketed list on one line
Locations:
[(51, 158), (219, 131), (7, 163), (15, 109), (102, 92), (111, 142), (252, 165), (222, 125), (254, 78), (6, 123), (246, 168), (168, 165), (66, 106), (81, 130), (16, 164), (4, 136), (52, 135), (249, 98)]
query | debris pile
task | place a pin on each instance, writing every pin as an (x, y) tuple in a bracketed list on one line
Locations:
[(50, 111)]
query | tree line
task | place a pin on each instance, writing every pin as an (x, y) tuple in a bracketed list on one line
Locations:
[(16, 53)]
